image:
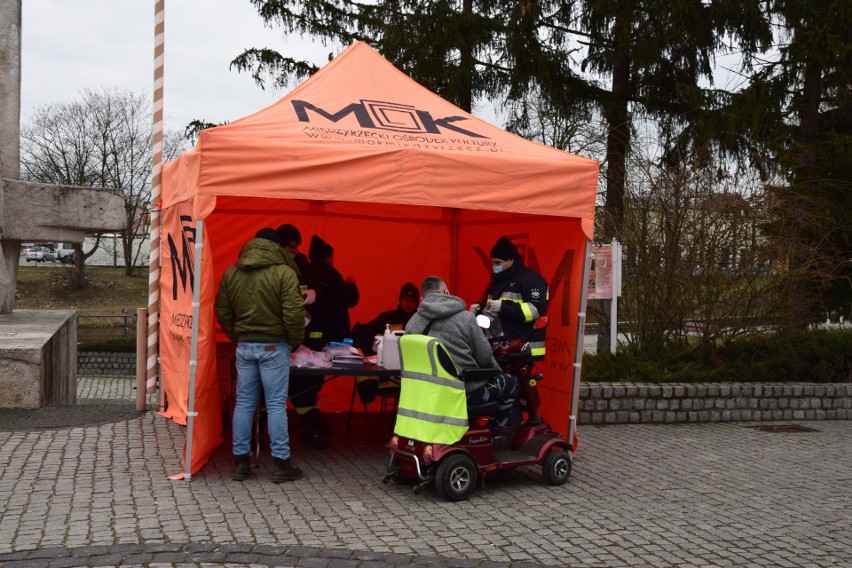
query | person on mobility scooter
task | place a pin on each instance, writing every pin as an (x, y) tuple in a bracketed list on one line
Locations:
[(443, 434)]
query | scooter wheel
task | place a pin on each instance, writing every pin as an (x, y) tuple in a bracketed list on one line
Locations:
[(456, 477), (556, 467)]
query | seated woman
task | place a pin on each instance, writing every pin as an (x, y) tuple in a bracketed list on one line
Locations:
[(364, 334)]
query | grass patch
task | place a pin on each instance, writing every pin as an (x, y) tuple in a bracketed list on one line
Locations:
[(106, 291)]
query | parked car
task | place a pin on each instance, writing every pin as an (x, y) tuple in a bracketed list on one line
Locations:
[(35, 254), (50, 255), (64, 254)]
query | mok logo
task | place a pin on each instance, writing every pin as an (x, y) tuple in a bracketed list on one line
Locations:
[(383, 115), (181, 261)]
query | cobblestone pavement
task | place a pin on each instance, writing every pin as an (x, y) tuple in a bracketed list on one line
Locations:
[(100, 400), (721, 494)]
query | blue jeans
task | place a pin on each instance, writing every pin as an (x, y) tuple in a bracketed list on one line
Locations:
[(267, 364)]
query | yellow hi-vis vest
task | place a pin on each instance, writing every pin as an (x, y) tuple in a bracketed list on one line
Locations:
[(432, 404)]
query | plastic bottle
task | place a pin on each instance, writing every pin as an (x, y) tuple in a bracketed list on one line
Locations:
[(390, 349), (378, 348)]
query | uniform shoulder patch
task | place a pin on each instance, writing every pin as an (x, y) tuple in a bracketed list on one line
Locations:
[(535, 293)]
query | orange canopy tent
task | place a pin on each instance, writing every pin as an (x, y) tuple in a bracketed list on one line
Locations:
[(402, 184)]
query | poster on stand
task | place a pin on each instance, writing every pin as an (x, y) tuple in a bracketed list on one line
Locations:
[(600, 275)]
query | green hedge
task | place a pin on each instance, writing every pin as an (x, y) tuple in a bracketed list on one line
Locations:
[(819, 356)]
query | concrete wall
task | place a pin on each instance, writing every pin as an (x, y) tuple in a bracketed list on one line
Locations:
[(37, 356)]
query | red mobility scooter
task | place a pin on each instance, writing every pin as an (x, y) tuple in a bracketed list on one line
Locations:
[(454, 467)]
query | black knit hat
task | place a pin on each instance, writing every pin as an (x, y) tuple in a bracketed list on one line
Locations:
[(320, 250), (409, 290), (269, 234), (289, 234), (504, 249)]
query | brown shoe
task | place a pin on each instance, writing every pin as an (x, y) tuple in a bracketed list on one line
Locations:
[(242, 468), (283, 470)]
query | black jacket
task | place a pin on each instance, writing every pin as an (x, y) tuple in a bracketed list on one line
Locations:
[(364, 334), (523, 294), (306, 271), (330, 312)]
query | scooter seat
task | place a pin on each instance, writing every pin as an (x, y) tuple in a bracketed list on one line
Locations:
[(474, 412)]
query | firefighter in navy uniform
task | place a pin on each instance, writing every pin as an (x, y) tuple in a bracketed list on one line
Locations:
[(517, 295), (330, 321)]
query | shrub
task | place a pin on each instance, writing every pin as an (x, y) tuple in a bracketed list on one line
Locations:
[(818, 356)]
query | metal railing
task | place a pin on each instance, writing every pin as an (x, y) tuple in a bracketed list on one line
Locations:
[(119, 325)]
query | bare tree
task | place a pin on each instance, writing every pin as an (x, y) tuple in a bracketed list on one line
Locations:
[(700, 268), (101, 139)]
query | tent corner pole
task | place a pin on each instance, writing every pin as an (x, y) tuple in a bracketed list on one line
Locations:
[(193, 354), (578, 354)]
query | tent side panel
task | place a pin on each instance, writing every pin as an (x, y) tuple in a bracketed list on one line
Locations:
[(176, 327), (176, 308)]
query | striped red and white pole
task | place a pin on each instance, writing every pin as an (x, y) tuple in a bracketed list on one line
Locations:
[(156, 182)]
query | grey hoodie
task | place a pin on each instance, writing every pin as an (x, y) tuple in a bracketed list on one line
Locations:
[(456, 328)]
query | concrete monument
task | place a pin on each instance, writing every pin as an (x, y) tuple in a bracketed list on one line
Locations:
[(38, 348)]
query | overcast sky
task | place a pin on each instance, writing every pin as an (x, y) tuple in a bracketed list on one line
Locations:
[(68, 46)]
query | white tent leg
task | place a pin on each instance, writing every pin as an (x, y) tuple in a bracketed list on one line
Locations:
[(193, 353), (578, 354)]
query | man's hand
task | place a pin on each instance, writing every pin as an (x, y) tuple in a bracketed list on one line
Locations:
[(310, 296), (475, 308), (495, 306)]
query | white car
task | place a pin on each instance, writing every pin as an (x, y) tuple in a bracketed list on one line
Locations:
[(64, 255), (35, 254)]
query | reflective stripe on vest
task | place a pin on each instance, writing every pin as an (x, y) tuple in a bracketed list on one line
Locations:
[(537, 348), (432, 404), (315, 334)]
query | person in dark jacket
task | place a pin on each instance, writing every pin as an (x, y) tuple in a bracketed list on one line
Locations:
[(329, 321), (260, 309), (291, 240), (409, 299), (443, 316), (517, 295), (364, 334)]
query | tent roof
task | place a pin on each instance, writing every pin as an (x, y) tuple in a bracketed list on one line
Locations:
[(360, 130)]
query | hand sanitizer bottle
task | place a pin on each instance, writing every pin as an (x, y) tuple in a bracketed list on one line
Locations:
[(377, 347)]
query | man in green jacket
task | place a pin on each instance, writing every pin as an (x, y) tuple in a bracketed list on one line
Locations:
[(260, 308)]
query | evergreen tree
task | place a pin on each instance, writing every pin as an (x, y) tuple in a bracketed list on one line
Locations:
[(811, 86), (444, 45), (794, 123)]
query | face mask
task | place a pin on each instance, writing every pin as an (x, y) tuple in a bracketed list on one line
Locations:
[(291, 254), (497, 268)]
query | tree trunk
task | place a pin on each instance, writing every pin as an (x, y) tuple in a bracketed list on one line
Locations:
[(617, 146), (79, 272), (465, 97), (804, 175)]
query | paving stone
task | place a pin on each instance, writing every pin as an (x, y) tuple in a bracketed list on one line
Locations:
[(700, 490)]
